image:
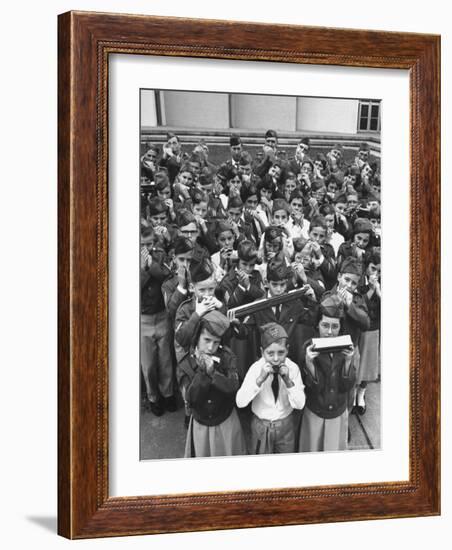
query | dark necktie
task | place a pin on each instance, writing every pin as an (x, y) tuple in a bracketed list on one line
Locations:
[(278, 312), (275, 386)]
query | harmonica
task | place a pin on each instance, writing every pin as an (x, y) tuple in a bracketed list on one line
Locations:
[(264, 303)]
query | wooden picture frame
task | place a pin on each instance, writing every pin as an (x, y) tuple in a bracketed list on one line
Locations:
[(85, 42)]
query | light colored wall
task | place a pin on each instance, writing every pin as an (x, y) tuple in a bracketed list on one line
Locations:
[(197, 109), (327, 114), (254, 112), (148, 110), (263, 112)]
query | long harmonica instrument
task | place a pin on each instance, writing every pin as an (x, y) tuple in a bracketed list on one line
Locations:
[(264, 303)]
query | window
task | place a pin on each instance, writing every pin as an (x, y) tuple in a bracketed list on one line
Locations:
[(369, 116)]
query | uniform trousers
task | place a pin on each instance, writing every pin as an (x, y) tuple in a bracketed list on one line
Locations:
[(156, 357)]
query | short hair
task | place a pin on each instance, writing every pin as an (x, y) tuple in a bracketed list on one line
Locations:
[(245, 159), (147, 231), (198, 196), (247, 191), (326, 209), (296, 194), (317, 221)]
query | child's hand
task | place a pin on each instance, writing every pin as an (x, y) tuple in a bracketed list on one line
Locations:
[(348, 297), (311, 354), (210, 365), (284, 373), (167, 150), (206, 305), (244, 279), (145, 258), (169, 203), (266, 370), (348, 352), (182, 277), (309, 291)]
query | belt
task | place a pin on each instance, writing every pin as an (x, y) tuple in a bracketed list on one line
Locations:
[(273, 423)]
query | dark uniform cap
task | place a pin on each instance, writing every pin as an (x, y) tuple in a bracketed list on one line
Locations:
[(362, 225), (278, 271), (235, 202), (223, 172), (247, 251), (280, 204), (161, 180), (340, 197), (299, 243), (267, 183), (373, 196), (245, 159), (271, 133), (215, 322), (332, 306), (157, 206), (272, 232), (200, 271), (375, 213), (270, 333), (185, 217), (234, 140), (182, 245), (221, 226), (206, 177), (247, 191), (352, 265), (317, 184)]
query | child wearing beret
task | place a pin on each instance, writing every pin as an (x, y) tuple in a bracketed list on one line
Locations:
[(208, 376), (360, 245), (329, 378), (274, 388)]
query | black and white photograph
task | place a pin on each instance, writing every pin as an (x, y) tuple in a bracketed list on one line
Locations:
[(260, 290)]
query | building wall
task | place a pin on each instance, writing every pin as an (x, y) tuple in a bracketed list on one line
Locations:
[(148, 108), (196, 109), (261, 112), (218, 111), (324, 114)]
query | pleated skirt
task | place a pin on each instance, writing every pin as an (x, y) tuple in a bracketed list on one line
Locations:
[(226, 439), (323, 434), (369, 348)]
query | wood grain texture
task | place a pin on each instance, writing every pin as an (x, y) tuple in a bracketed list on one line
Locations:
[(85, 42)]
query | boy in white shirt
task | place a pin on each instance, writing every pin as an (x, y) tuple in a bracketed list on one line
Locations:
[(274, 387)]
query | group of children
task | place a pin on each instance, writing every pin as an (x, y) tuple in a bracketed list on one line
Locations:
[(246, 233)]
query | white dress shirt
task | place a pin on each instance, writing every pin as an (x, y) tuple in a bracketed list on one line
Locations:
[(263, 401)]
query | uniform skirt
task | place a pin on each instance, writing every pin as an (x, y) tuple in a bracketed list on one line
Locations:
[(226, 439), (323, 434), (369, 347)]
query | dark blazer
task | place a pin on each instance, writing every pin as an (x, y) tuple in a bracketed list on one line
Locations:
[(211, 398), (327, 392)]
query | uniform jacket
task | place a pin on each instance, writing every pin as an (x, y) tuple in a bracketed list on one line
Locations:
[(172, 295), (151, 279), (327, 392), (356, 317), (235, 295), (346, 249), (304, 310), (373, 306), (211, 397)]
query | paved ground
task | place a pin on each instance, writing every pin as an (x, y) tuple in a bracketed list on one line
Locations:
[(164, 436)]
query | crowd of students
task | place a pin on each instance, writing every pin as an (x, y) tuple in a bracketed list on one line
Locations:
[(214, 238)]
